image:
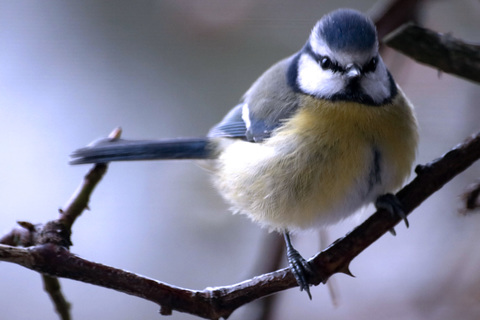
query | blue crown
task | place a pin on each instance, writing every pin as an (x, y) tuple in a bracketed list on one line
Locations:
[(347, 30)]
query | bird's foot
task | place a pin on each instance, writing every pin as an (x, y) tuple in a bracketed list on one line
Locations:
[(300, 267), (391, 203)]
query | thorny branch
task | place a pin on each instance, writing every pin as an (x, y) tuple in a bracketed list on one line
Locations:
[(213, 303)]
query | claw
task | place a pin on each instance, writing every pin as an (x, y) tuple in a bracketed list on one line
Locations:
[(300, 267), (391, 203)]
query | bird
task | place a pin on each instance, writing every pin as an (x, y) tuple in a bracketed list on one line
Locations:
[(319, 135)]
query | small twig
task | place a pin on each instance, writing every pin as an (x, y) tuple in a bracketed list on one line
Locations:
[(81, 197), (442, 51)]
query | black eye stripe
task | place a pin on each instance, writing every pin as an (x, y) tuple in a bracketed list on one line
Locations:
[(331, 65), (326, 63)]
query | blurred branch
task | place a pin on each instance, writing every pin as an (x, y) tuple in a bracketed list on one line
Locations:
[(471, 199), (441, 51), (269, 258), (213, 303), (395, 13), (54, 290)]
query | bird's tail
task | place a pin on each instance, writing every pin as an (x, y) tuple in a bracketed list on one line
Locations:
[(107, 150)]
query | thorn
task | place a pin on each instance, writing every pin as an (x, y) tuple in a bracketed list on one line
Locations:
[(60, 210), (346, 270), (393, 232)]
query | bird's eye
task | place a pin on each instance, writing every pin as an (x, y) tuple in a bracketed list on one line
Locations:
[(371, 65), (326, 63)]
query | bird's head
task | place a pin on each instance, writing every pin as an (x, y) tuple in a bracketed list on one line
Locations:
[(340, 61)]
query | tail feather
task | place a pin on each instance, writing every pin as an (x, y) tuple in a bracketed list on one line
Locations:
[(127, 150)]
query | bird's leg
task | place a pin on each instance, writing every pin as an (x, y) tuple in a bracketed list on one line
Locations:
[(300, 267), (391, 203)]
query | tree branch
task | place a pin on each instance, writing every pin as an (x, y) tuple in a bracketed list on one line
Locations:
[(471, 199), (214, 303), (441, 51)]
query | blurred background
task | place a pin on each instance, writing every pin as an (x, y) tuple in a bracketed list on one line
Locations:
[(71, 71)]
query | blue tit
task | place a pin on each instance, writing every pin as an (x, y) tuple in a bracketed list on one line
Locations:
[(319, 135)]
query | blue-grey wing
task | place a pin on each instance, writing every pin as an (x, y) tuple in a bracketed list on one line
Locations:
[(267, 105), (231, 126), (240, 124)]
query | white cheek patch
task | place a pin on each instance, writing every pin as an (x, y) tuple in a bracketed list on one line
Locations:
[(312, 79), (377, 84)]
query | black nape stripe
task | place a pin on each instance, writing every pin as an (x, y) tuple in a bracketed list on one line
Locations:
[(292, 73)]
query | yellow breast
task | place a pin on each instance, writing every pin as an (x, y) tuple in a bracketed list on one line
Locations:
[(324, 163)]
